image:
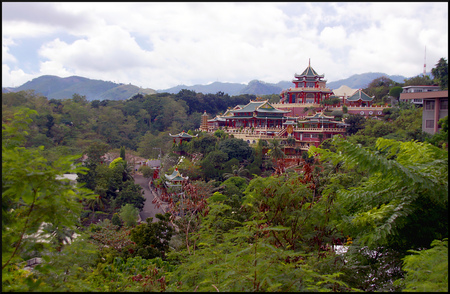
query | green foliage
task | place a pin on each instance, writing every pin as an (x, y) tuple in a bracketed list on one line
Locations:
[(133, 274), (242, 260), (152, 238), (427, 270), (356, 123), (217, 197), (440, 73), (406, 190), (441, 139), (33, 194), (236, 148), (129, 215), (114, 163), (116, 220), (111, 240), (344, 109), (130, 193), (379, 88), (419, 80), (146, 171), (395, 91)]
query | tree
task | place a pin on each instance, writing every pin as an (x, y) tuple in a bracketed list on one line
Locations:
[(395, 92), (440, 73), (236, 172), (130, 193), (146, 171), (129, 214), (356, 123), (404, 196), (116, 220), (427, 270), (236, 148), (379, 88), (418, 81), (32, 193), (441, 139), (152, 238), (122, 152)]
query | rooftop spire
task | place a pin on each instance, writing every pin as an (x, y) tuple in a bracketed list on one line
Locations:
[(309, 61)]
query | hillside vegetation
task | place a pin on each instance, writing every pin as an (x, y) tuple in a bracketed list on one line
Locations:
[(379, 197)]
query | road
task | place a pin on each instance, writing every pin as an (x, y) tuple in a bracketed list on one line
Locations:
[(150, 209)]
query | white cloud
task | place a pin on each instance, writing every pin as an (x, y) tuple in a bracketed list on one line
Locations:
[(160, 45), (14, 78), (6, 56)]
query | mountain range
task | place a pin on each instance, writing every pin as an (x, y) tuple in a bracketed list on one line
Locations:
[(54, 87)]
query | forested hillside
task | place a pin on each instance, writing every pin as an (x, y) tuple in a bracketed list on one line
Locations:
[(364, 213)]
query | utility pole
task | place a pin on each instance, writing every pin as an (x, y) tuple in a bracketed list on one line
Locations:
[(159, 156), (425, 62)]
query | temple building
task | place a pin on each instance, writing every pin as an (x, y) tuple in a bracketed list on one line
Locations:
[(175, 179), (179, 138), (310, 88), (259, 114), (291, 119), (359, 99)]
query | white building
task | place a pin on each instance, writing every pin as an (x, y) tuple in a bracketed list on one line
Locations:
[(418, 89)]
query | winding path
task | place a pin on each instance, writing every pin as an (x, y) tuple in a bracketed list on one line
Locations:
[(150, 209)]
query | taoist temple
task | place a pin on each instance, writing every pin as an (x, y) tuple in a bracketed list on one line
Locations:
[(304, 113)]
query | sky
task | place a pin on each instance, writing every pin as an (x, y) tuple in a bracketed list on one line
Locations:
[(159, 45)]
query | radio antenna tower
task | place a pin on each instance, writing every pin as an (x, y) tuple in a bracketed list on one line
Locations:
[(425, 62)]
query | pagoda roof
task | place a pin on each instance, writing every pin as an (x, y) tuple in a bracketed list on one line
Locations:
[(317, 117), (360, 95), (261, 107), (217, 118), (183, 135), (309, 72), (175, 176)]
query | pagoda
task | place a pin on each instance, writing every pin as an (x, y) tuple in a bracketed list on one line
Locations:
[(182, 137), (254, 114), (175, 179), (359, 99), (310, 88)]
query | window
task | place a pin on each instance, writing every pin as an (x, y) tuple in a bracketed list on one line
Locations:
[(444, 104), (429, 105), (313, 135), (429, 124)]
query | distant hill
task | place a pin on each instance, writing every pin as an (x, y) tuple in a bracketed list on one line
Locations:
[(54, 87), (255, 87), (361, 81), (231, 89)]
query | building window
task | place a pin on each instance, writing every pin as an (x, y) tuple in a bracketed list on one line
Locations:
[(429, 124), (444, 104), (429, 105), (313, 135)]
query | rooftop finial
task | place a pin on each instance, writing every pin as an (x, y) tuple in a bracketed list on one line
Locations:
[(310, 62)]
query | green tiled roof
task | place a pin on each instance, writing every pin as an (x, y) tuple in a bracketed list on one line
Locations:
[(182, 135), (175, 176), (359, 95), (310, 72), (259, 106)]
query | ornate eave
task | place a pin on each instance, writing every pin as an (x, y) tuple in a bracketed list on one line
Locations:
[(183, 135)]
